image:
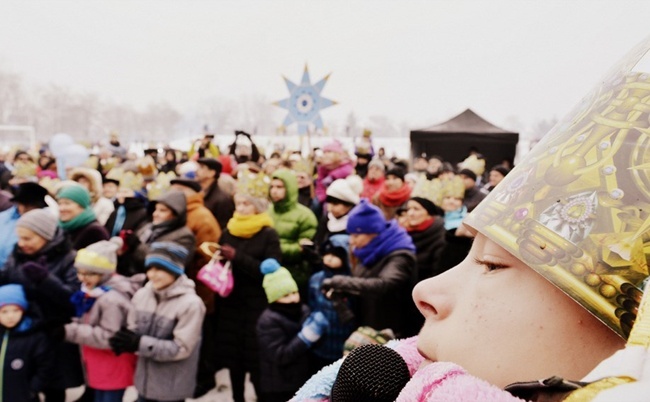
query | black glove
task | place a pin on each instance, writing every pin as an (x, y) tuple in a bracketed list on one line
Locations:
[(340, 304), (326, 285), (36, 271), (125, 340), (228, 252), (56, 333)]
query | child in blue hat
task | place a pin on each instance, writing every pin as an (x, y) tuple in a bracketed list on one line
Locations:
[(27, 359)]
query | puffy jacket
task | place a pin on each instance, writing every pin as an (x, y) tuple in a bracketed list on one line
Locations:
[(293, 221), (105, 370), (27, 363), (169, 321)]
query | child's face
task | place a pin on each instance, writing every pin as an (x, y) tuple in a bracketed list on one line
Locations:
[(332, 261), (491, 313), (290, 298), (160, 278), (10, 315), (89, 279)]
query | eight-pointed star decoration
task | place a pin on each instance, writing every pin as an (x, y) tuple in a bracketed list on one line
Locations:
[(305, 103)]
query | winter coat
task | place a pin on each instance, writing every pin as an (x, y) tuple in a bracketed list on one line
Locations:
[(383, 290), (429, 245), (27, 362), (293, 222), (326, 176), (101, 206), (174, 231), (105, 370), (284, 362), (237, 314), (52, 297), (136, 218), (205, 227), (8, 235), (169, 321), (330, 346), (87, 235), (220, 203), (472, 197)]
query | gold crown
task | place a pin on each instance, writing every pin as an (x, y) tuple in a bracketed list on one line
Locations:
[(108, 164), (156, 188), (147, 166), (128, 180), (24, 170), (367, 133), (253, 184), (577, 209), (428, 189), (474, 164), (92, 162), (452, 187), (301, 166)]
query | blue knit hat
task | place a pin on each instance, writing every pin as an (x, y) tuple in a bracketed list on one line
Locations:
[(75, 193), (13, 294), (366, 218), (168, 256)]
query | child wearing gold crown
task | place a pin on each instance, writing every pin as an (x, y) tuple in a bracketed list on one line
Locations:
[(553, 286)]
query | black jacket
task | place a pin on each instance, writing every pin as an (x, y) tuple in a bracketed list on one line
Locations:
[(429, 245), (284, 364), (28, 363), (383, 291), (136, 218), (87, 235), (219, 203), (237, 314)]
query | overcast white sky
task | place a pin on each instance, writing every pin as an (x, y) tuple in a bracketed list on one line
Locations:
[(415, 62)]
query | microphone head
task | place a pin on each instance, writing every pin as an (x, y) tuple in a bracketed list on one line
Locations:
[(370, 373)]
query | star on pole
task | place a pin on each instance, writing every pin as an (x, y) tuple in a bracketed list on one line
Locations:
[(305, 103)]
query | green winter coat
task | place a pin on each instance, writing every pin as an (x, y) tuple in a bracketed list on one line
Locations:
[(293, 221)]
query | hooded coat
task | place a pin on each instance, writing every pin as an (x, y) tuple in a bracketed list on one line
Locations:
[(105, 370), (169, 321), (102, 206), (293, 221), (173, 230)]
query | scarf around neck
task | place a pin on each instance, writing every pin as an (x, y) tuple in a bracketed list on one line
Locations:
[(247, 226), (86, 217), (84, 299), (395, 198), (424, 225), (394, 237), (336, 225)]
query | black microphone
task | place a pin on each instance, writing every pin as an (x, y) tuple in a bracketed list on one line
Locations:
[(370, 373)]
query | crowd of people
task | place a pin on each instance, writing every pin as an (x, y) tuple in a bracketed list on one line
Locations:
[(99, 267)]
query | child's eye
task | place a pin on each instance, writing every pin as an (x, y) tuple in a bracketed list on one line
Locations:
[(489, 265)]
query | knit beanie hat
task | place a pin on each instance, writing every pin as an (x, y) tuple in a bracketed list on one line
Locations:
[(260, 204), (468, 173), (167, 255), (13, 295), (429, 206), (341, 190), (279, 284), (174, 200), (334, 146), (377, 163), (75, 193), (39, 221), (100, 257), (366, 218), (397, 172)]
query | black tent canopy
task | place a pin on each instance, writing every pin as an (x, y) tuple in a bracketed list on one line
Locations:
[(453, 140)]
